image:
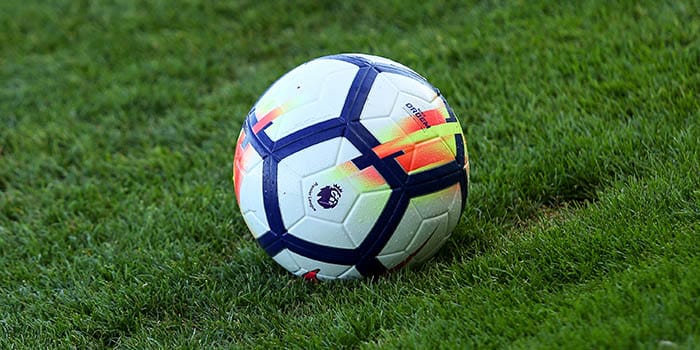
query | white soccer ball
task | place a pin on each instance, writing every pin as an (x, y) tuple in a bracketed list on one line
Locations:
[(350, 165)]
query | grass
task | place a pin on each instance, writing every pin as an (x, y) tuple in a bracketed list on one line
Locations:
[(118, 226)]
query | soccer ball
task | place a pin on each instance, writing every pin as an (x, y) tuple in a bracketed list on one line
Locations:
[(350, 165)]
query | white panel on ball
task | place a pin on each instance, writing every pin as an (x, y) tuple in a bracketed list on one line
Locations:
[(407, 226), (339, 197), (309, 94), (291, 198), (321, 232), (437, 203), (453, 215), (436, 242), (428, 229), (256, 222), (285, 259), (435, 214), (383, 129), (334, 183), (412, 87), (364, 213), (251, 200), (352, 273), (346, 152), (381, 98), (311, 160)]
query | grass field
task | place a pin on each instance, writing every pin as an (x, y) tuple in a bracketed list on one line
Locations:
[(118, 224)]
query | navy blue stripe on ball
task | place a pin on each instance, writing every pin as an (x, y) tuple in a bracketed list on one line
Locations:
[(459, 143), (429, 175), (252, 117), (436, 184), (262, 147), (464, 186), (389, 168), (246, 139), (271, 243), (382, 231), (356, 60), (453, 116), (461, 157), (306, 137), (270, 198), (355, 101), (333, 255), (362, 162)]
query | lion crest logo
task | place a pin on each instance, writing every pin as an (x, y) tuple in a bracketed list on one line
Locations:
[(329, 196)]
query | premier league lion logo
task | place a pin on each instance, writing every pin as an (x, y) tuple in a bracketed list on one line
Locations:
[(329, 196)]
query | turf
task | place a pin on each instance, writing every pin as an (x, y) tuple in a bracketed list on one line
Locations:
[(118, 224)]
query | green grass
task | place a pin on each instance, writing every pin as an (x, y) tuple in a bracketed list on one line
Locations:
[(118, 224)]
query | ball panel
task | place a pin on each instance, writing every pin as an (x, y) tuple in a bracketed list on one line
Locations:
[(320, 157), (322, 232), (285, 259), (412, 89), (347, 152), (311, 93), (426, 242), (426, 229), (364, 213), (381, 99), (329, 196), (251, 200), (298, 176), (434, 215), (291, 196), (257, 224), (384, 129), (405, 230), (414, 105), (293, 199), (437, 203), (352, 273), (431, 247)]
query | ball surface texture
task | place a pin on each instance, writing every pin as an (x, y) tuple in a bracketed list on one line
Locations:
[(350, 165)]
